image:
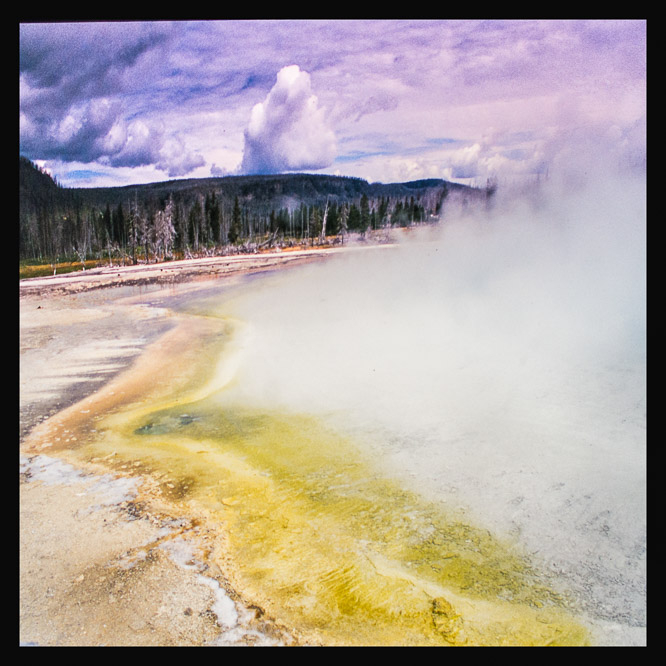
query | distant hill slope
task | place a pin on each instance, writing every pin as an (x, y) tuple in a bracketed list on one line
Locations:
[(215, 212), (272, 190)]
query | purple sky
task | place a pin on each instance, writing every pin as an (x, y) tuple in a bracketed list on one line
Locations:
[(465, 100)]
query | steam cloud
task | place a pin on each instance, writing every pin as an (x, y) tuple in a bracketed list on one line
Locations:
[(499, 366), (288, 131)]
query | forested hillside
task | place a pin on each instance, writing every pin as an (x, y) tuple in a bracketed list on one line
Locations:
[(182, 218)]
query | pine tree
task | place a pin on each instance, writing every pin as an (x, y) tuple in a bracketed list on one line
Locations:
[(213, 217), (235, 229), (333, 220), (315, 222), (354, 219), (365, 213), (119, 225), (382, 213), (194, 224)]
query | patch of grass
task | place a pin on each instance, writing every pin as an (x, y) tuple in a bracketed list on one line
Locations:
[(30, 269)]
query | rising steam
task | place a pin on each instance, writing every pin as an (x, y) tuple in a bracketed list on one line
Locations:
[(499, 366)]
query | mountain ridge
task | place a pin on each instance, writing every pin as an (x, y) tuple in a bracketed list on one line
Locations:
[(217, 214)]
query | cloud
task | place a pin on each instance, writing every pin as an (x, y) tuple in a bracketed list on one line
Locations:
[(76, 98), (97, 132), (140, 147), (83, 131), (176, 160), (288, 131), (84, 85), (62, 64)]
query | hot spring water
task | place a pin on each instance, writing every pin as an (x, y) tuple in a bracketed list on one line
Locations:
[(440, 442)]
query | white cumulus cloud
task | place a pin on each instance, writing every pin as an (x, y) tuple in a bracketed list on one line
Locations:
[(288, 131)]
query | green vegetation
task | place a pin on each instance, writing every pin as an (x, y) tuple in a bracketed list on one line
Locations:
[(202, 217)]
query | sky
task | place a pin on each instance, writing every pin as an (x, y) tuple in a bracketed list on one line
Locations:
[(120, 103)]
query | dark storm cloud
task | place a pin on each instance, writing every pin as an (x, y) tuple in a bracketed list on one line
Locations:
[(65, 63), (79, 87)]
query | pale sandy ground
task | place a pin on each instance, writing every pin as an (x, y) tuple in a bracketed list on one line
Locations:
[(97, 565)]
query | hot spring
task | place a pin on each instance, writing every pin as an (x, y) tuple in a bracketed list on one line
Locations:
[(436, 442)]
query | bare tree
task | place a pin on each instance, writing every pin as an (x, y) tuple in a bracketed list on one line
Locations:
[(344, 216), (83, 244), (143, 233), (136, 225), (165, 231)]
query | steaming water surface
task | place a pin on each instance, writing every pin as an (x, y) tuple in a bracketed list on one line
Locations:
[(498, 367), (440, 442)]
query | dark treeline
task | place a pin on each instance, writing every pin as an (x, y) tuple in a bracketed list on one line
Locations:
[(175, 219)]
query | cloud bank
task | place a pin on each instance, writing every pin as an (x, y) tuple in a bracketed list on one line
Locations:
[(395, 99), (288, 131), (96, 131)]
